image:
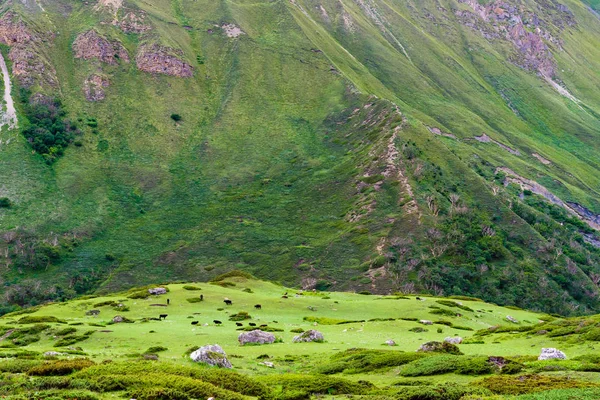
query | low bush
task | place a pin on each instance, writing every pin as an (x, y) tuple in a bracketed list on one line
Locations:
[(36, 319), (448, 391), (433, 365), (297, 330), (60, 367), (155, 349), (450, 303), (65, 331), (190, 287), (72, 339), (292, 386), (515, 385), (18, 366), (264, 329), (236, 273), (55, 395), (110, 303), (443, 311), (361, 360), (193, 300), (240, 316)]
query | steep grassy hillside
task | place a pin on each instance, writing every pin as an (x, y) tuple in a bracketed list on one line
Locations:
[(447, 147), (75, 349)]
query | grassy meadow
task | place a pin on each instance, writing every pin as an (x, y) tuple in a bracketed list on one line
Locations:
[(353, 359)]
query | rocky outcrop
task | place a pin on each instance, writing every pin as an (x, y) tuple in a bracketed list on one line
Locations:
[(92, 312), (552, 354), (157, 59), (90, 45), (93, 87), (133, 22), (257, 337), (512, 319), (454, 340), (212, 355), (28, 64), (439, 347), (157, 291), (309, 336)]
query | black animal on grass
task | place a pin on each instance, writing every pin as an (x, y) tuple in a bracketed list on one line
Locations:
[(216, 322), (251, 324), (194, 322), (227, 302), (163, 316), (258, 306), (284, 297), (239, 324), (201, 297), (168, 301)]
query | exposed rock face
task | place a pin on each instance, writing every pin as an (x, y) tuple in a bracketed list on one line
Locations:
[(526, 30), (93, 87), (157, 291), (28, 64), (232, 30), (454, 340), (552, 354), (309, 336), (211, 355), (90, 45), (256, 336), (133, 23), (156, 59), (439, 347)]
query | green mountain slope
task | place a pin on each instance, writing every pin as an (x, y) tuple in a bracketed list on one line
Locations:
[(440, 146)]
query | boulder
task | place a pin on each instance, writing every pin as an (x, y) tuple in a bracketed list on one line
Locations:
[(511, 319), (454, 340), (390, 342), (267, 364), (309, 336), (440, 347), (426, 322), (92, 312), (211, 355), (52, 354), (552, 354), (256, 336), (157, 291), (117, 319)]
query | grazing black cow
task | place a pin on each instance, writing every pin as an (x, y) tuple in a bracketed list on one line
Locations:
[(227, 302), (217, 322), (263, 326), (194, 322), (163, 316), (417, 298), (251, 324), (168, 301), (284, 297), (201, 297), (258, 306), (239, 324)]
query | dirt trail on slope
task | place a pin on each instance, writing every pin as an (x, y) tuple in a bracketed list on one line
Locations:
[(8, 117)]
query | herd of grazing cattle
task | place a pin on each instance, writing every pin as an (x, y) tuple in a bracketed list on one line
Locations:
[(227, 302)]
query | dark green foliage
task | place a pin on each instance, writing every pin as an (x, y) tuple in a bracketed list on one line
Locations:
[(191, 287), (448, 391), (38, 319), (515, 385), (443, 311), (111, 303), (193, 300), (418, 329), (236, 273), (440, 347), (60, 367), (240, 316), (355, 361), (297, 330), (176, 117), (155, 349), (264, 329), (65, 331), (5, 202), (450, 303), (48, 132), (304, 386), (330, 321), (433, 365), (72, 339)]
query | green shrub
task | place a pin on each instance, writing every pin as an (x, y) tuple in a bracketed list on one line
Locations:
[(60, 367), (157, 393), (72, 339), (475, 365), (240, 316), (330, 321), (361, 360), (5, 202), (450, 303), (110, 303), (193, 300), (247, 290), (462, 328), (303, 386), (564, 394), (26, 340), (65, 331), (55, 395), (176, 117), (236, 273), (593, 334), (36, 319), (433, 365), (18, 366), (190, 287), (515, 385), (155, 349), (223, 284), (264, 329), (443, 311), (447, 391), (418, 329), (297, 330)]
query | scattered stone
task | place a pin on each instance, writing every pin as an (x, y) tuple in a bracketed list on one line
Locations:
[(440, 347), (426, 322), (267, 364), (93, 87), (92, 312), (552, 354), (390, 342), (157, 59), (90, 45), (309, 336), (497, 361), (256, 336), (152, 357), (511, 319), (211, 355), (157, 291), (454, 340), (232, 30), (53, 354)]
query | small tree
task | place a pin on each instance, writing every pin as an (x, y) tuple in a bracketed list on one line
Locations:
[(5, 202), (176, 117)]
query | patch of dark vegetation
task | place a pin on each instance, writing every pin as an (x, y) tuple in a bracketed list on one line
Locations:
[(262, 328), (191, 287), (516, 385), (40, 319), (236, 273), (354, 361), (60, 367), (240, 316), (330, 321)]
